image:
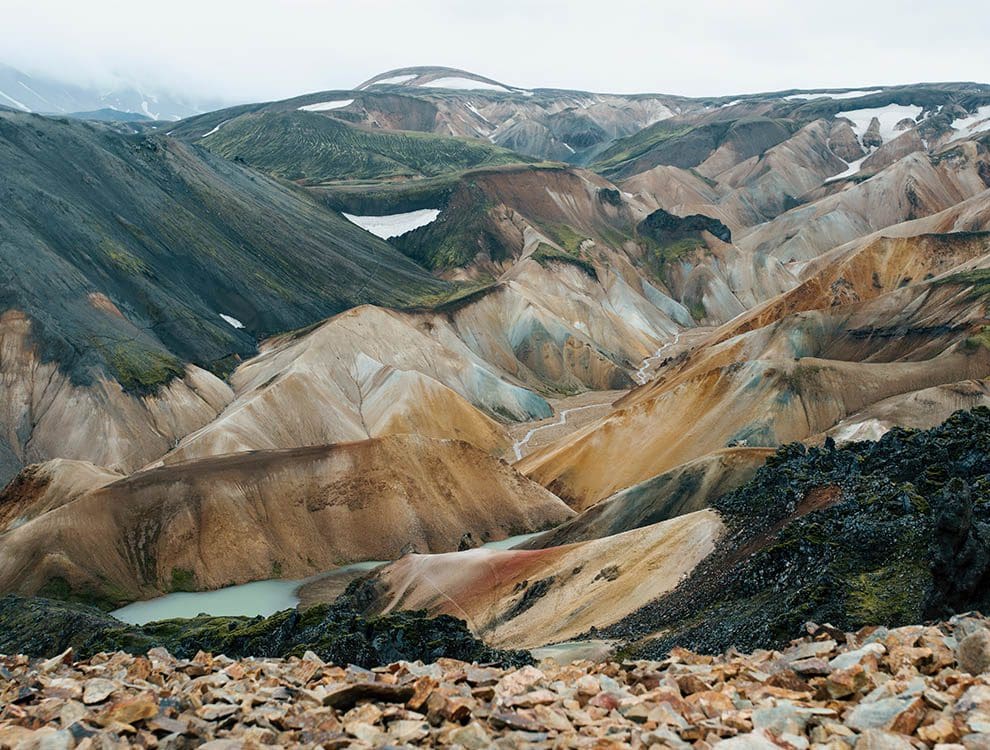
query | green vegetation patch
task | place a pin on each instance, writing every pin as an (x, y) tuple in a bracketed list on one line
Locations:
[(546, 255), (338, 633), (313, 148), (183, 579), (139, 368)]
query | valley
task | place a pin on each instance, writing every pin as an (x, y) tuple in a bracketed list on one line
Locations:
[(630, 373)]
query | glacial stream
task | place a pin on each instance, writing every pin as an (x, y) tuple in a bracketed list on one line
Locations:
[(248, 599)]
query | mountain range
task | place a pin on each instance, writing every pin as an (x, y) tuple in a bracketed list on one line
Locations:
[(23, 92), (728, 355)]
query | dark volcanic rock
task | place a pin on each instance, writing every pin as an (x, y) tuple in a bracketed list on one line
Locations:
[(336, 633), (664, 227), (886, 532)]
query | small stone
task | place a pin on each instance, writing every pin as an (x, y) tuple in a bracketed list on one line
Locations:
[(846, 682), (471, 737), (939, 732), (533, 698), (878, 739), (875, 715), (130, 709), (974, 652), (422, 689), (812, 666), (520, 680), (869, 652), (406, 731), (346, 696), (781, 719), (691, 683), (788, 679), (516, 720), (216, 711), (588, 685), (757, 740), (97, 690), (711, 703), (910, 718), (50, 665), (61, 739)]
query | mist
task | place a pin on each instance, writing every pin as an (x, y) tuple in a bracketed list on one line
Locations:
[(267, 50)]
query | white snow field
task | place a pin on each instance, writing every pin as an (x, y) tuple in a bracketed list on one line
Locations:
[(464, 83), (323, 106), (825, 95), (393, 225), (973, 124), (888, 116)]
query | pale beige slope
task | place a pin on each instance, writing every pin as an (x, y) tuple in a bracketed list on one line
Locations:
[(44, 415), (684, 489), (919, 410), (40, 488), (527, 598), (744, 193), (364, 373), (917, 185), (560, 326), (221, 521), (777, 384), (866, 268)]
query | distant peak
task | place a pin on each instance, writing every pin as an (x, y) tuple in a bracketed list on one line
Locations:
[(440, 77)]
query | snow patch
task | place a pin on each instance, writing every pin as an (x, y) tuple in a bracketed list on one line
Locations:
[(888, 117), (393, 80), (475, 111), (148, 112), (16, 103), (569, 147), (853, 168), (323, 106), (394, 225), (972, 124), (825, 95), (464, 83), (212, 131), (31, 90), (869, 429), (232, 321)]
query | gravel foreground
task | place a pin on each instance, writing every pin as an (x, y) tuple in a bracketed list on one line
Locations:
[(878, 689)]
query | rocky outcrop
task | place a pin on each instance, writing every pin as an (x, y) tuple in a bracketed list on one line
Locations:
[(889, 532), (664, 227), (44, 628)]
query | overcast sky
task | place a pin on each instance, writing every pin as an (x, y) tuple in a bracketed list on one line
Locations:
[(266, 49)]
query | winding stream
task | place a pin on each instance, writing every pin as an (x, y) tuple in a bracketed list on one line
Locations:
[(640, 377), (561, 419)]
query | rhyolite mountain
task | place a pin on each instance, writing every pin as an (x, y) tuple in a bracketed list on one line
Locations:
[(438, 309)]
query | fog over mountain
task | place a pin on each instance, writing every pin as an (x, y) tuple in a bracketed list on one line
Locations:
[(268, 49)]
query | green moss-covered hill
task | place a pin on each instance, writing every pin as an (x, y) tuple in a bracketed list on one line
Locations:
[(124, 250), (336, 633), (313, 148)]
